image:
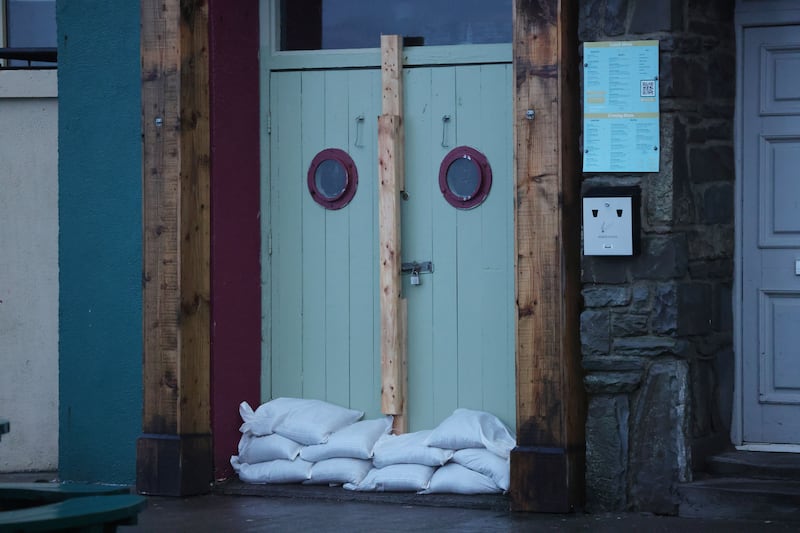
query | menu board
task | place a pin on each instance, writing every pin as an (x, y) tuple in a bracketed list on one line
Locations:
[(620, 106)]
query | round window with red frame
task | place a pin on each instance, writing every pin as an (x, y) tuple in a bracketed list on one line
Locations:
[(332, 178), (465, 177)]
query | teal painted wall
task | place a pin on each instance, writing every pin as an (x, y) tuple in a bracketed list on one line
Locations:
[(100, 240)]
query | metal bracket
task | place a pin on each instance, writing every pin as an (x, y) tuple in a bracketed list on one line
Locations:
[(418, 267)]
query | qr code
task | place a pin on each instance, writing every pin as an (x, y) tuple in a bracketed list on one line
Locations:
[(648, 88)]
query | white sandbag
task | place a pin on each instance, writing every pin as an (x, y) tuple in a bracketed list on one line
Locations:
[(395, 478), (339, 470), (487, 463), (409, 448), (278, 471), (453, 478), (467, 428), (310, 421), (355, 441), (263, 420), (254, 449)]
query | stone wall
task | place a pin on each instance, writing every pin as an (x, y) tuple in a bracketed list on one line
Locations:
[(656, 328)]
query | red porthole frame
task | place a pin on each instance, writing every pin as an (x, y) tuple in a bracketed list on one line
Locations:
[(351, 178), (485, 176)]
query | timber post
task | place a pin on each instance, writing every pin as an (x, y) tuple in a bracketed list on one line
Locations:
[(547, 466), (391, 164), (174, 453)]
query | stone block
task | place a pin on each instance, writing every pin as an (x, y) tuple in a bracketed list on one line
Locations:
[(722, 74), (703, 385), (724, 370), (614, 20), (711, 163), (628, 324), (656, 15), (662, 257), (649, 346), (682, 197), (695, 308), (605, 269), (611, 363), (590, 21), (665, 308), (612, 382), (723, 307), (640, 297), (606, 296), (658, 191), (711, 269), (688, 78), (719, 131), (607, 453), (711, 242), (660, 455), (595, 332), (718, 204)]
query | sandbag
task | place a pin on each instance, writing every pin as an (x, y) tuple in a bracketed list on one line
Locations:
[(313, 421), (339, 470), (254, 449), (355, 441), (299, 419), (278, 471), (409, 448), (456, 479), (263, 420), (395, 478), (467, 428), (485, 462)]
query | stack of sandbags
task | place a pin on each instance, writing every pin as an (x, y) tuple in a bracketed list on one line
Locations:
[(346, 457), (290, 440), (402, 463), (481, 446), (274, 435), (468, 453)]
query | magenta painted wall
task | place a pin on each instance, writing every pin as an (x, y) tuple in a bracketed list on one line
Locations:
[(235, 228)]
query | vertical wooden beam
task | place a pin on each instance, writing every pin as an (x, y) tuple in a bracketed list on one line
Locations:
[(174, 453), (547, 465), (391, 179)]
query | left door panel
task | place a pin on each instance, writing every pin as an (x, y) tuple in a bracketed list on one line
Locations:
[(324, 329)]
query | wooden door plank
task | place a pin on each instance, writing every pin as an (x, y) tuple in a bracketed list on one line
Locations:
[(364, 102), (417, 245), (444, 252), (469, 246), (337, 254), (287, 252), (313, 228), (547, 465), (173, 457), (496, 288)]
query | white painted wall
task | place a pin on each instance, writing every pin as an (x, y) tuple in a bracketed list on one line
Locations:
[(29, 269)]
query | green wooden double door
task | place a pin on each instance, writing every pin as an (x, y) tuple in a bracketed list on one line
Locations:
[(322, 323)]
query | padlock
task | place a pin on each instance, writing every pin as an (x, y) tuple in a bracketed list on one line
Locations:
[(414, 277)]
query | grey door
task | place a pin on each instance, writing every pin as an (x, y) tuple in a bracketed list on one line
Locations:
[(770, 222)]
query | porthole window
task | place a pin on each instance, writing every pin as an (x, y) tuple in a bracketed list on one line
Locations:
[(465, 177), (332, 178)]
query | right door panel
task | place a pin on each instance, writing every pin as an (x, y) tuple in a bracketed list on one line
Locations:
[(460, 318)]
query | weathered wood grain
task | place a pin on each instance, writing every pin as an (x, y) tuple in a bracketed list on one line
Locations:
[(550, 399), (176, 231)]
